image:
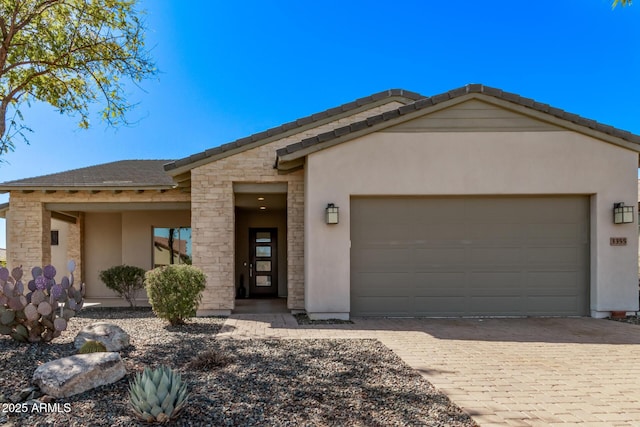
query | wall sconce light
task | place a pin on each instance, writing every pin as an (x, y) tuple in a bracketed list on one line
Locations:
[(622, 214), (331, 214)]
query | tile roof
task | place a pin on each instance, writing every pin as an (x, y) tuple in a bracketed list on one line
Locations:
[(138, 174), (121, 174), (450, 95), (294, 125)]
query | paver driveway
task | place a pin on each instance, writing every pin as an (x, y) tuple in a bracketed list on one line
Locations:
[(514, 372)]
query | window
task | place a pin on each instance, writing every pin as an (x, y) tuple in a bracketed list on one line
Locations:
[(171, 246), (55, 235)]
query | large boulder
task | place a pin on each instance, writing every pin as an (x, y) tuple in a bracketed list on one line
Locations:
[(75, 374), (112, 336)]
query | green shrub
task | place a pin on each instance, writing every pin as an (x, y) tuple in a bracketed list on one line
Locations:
[(125, 280), (175, 291), (92, 347)]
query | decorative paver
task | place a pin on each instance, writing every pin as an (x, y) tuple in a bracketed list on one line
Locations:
[(506, 372)]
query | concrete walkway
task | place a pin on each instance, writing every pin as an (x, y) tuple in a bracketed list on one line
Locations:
[(506, 372)]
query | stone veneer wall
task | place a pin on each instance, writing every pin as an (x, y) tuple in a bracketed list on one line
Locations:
[(75, 246), (29, 222), (29, 233), (213, 216)]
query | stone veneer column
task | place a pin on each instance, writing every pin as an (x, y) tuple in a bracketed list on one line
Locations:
[(295, 245), (212, 234), (29, 239), (75, 247)]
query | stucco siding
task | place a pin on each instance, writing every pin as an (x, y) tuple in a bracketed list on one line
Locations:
[(474, 116), (464, 163), (115, 238), (103, 243)]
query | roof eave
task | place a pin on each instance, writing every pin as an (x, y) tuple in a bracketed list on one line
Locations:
[(72, 188)]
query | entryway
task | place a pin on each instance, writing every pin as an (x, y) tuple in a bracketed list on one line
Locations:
[(260, 246)]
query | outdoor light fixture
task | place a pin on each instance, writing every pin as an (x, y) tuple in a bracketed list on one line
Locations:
[(331, 214), (622, 214)]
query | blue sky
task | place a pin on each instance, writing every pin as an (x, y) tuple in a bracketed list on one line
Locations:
[(230, 69)]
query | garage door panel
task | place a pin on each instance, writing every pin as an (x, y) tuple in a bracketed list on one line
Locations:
[(496, 255), (497, 232), (504, 283), (384, 284), (379, 233), (470, 256), (554, 256), (554, 232), (553, 278), (438, 257), (384, 258), (440, 306), (430, 233), (433, 284), (561, 305)]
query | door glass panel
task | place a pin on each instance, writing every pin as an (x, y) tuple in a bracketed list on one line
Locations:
[(263, 251), (263, 265), (263, 280), (263, 237)]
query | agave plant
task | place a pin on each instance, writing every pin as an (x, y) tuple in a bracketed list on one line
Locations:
[(157, 395)]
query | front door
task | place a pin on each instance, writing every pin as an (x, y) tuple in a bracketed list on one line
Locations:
[(263, 271)]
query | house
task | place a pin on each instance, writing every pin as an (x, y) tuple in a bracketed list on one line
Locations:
[(474, 202)]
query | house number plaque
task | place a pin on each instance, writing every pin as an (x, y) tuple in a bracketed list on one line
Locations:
[(618, 241)]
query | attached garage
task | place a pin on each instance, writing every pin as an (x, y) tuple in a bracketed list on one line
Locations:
[(470, 256), (476, 202)]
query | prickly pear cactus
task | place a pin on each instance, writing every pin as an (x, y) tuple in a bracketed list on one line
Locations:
[(42, 313)]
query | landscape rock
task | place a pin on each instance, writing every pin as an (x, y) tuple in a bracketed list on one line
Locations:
[(75, 374), (112, 336), (25, 394)]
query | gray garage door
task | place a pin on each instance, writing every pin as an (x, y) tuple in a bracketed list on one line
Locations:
[(484, 256)]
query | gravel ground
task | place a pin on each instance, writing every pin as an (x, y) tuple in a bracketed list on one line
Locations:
[(255, 382), (629, 319), (303, 319)]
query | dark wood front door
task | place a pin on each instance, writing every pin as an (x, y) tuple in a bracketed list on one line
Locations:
[(263, 269)]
